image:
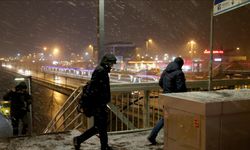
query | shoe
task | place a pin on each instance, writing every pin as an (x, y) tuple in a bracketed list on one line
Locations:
[(152, 141), (76, 143), (107, 148)]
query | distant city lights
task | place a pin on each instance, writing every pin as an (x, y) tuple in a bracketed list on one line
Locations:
[(214, 52)]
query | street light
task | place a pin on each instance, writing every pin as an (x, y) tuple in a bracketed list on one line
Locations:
[(45, 48), (92, 50), (192, 51), (55, 51), (147, 45)]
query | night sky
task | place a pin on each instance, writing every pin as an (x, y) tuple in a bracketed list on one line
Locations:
[(26, 26)]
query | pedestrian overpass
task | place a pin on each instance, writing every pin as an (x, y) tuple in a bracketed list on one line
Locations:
[(133, 106)]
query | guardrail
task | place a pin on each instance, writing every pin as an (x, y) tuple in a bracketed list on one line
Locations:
[(133, 106)]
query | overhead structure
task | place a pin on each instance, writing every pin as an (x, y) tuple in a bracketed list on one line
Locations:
[(220, 7)]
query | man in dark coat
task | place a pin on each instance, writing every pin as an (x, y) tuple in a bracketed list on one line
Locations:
[(19, 106), (101, 86), (172, 80)]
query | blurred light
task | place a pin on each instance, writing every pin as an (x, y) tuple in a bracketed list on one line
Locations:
[(20, 71), (58, 79), (90, 46), (186, 67), (214, 51), (55, 62), (55, 51), (9, 66), (27, 72), (19, 79), (24, 72), (192, 42), (217, 59), (6, 111)]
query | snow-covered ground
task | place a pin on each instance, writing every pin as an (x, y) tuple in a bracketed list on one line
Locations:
[(63, 141)]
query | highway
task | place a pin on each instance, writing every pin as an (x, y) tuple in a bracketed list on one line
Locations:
[(72, 76)]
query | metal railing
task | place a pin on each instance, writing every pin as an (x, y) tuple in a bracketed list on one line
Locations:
[(133, 106)]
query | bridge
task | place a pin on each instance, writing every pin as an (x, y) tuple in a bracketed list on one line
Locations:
[(134, 106)]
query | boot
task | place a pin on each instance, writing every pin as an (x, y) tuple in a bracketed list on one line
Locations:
[(76, 143)]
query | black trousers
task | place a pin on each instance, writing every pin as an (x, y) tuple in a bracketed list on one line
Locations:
[(15, 120), (100, 127)]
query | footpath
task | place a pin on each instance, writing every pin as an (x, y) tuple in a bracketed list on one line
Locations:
[(63, 141)]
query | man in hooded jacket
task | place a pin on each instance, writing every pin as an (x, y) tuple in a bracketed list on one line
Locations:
[(172, 80), (20, 101), (101, 86)]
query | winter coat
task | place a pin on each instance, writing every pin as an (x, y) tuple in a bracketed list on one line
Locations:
[(173, 79), (101, 86), (19, 102)]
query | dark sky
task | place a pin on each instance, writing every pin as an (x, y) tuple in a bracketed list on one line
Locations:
[(28, 25)]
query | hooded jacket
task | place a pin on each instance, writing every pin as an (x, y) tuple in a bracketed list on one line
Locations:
[(100, 81), (19, 102), (173, 78)]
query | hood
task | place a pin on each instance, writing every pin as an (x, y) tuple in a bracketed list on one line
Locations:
[(173, 66), (107, 61)]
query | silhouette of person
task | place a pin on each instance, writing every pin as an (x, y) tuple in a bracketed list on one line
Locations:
[(19, 106), (100, 84), (172, 80)]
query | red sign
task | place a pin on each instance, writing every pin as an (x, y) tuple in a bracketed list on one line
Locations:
[(214, 52)]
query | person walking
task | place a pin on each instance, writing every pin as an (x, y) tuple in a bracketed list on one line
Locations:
[(19, 106), (102, 96), (172, 80)]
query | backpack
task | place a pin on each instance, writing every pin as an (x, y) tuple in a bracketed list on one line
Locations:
[(86, 101)]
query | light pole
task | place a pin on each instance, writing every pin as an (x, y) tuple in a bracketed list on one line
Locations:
[(192, 52), (100, 30), (147, 45), (91, 50)]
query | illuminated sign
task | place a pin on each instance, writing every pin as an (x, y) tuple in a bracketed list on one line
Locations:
[(218, 59), (223, 6), (214, 52)]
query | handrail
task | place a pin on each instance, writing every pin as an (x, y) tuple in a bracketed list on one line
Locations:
[(191, 84), (139, 108), (72, 121), (66, 118), (53, 122)]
